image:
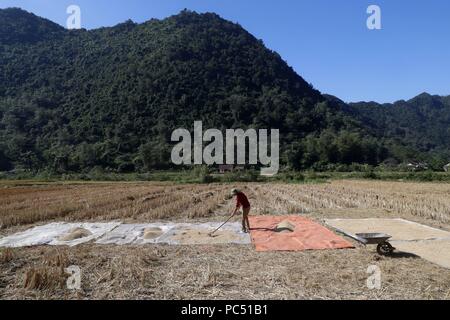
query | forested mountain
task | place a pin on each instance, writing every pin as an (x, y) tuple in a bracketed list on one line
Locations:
[(111, 97), (422, 124), (19, 27), (423, 121)]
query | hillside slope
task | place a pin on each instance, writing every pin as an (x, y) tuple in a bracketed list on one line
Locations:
[(111, 97), (422, 123)]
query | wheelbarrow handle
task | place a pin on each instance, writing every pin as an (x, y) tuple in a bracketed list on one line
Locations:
[(362, 240)]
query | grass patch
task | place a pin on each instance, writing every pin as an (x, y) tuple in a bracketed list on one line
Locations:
[(205, 175), (6, 255), (45, 278)]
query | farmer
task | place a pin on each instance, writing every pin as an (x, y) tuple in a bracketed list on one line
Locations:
[(242, 201)]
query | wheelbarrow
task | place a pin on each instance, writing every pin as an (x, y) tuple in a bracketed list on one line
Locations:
[(384, 248)]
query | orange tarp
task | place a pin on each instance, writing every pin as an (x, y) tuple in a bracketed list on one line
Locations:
[(308, 235)]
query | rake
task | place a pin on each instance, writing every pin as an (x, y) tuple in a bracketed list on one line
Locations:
[(212, 233)]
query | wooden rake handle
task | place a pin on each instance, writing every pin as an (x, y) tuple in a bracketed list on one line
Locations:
[(222, 225)]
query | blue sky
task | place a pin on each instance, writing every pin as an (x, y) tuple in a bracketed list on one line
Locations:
[(325, 41)]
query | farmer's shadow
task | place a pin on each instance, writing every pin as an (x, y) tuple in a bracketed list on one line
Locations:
[(403, 255), (263, 229), (277, 230)]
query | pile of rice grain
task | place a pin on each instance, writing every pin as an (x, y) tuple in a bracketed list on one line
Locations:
[(152, 233), (75, 234), (285, 226)]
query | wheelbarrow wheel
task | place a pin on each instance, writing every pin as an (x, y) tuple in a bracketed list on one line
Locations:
[(385, 249)]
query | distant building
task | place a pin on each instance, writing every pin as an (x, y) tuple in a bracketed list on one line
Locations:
[(224, 168), (447, 168), (417, 166)]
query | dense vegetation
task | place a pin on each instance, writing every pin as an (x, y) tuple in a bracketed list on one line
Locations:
[(421, 126), (109, 99)]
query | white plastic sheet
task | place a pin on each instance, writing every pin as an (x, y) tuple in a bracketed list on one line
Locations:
[(134, 234), (239, 237), (49, 234), (127, 234)]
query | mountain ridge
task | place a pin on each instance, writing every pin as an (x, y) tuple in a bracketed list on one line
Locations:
[(16, 11), (20, 26), (78, 99)]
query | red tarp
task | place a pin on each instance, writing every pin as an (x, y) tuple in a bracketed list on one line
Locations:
[(308, 235)]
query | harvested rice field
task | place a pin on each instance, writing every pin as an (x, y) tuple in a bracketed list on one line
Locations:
[(222, 271)]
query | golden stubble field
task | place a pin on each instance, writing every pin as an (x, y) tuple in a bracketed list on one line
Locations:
[(216, 272)]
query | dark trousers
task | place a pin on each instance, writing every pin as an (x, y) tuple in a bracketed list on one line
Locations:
[(245, 222)]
